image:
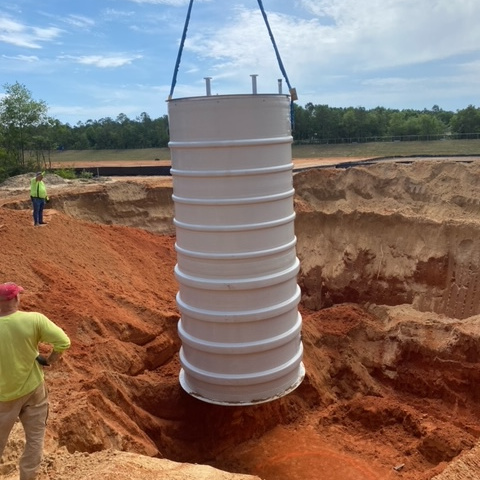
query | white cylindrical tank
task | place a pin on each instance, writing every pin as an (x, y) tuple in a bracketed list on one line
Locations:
[(236, 260)]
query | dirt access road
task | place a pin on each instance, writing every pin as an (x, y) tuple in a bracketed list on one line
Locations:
[(298, 163)]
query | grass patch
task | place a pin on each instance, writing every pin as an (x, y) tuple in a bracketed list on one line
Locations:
[(67, 173), (353, 150), (389, 149)]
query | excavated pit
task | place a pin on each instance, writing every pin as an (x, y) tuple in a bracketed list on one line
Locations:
[(389, 275)]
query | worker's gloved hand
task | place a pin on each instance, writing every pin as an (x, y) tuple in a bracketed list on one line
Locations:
[(42, 361), (47, 200)]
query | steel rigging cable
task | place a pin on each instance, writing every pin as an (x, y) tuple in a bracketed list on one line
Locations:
[(180, 50)]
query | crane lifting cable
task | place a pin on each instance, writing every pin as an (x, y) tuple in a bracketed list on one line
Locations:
[(180, 50), (293, 92)]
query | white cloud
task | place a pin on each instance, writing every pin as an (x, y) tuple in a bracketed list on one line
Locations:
[(111, 14), (471, 67), (103, 61), (383, 33), (79, 21), (21, 35), (22, 58), (10, 26), (240, 45)]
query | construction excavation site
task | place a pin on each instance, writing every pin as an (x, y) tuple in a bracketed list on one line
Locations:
[(389, 256)]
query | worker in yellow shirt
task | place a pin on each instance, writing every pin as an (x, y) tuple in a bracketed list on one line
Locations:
[(23, 394), (38, 194)]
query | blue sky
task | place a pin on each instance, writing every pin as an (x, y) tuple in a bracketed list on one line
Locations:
[(94, 59)]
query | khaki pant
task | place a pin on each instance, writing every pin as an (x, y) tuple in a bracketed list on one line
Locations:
[(32, 410)]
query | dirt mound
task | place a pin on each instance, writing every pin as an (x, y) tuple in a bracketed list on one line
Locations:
[(389, 391)]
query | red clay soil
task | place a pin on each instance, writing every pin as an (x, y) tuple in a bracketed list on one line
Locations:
[(113, 290)]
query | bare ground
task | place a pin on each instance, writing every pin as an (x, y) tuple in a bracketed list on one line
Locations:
[(390, 256)]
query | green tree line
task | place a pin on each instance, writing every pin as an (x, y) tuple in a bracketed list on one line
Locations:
[(28, 135), (108, 133), (322, 123)]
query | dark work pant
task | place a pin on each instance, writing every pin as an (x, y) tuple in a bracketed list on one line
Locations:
[(38, 204)]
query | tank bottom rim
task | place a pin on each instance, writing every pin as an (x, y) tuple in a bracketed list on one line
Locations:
[(238, 403)]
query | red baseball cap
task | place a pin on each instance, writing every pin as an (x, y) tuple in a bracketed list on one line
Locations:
[(9, 290)]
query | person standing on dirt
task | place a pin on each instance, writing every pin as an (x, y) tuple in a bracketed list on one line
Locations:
[(38, 194), (23, 394)]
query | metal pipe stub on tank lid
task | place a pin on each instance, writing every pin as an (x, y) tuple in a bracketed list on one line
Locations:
[(236, 259)]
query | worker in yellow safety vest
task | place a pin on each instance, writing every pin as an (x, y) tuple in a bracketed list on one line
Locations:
[(38, 194)]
